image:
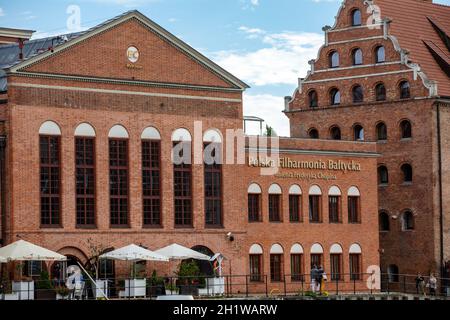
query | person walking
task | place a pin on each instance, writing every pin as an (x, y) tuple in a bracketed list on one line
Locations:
[(313, 275), (432, 284), (420, 284)]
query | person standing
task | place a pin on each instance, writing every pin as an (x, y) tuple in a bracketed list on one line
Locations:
[(432, 284), (319, 279), (313, 274), (420, 284)]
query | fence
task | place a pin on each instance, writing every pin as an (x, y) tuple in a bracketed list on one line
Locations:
[(261, 286)]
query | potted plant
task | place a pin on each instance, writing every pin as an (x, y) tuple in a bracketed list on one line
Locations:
[(188, 276), (172, 289), (44, 288), (156, 285), (62, 293)]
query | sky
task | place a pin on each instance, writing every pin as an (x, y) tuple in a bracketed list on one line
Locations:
[(265, 43)]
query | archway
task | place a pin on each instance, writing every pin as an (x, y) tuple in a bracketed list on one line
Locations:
[(205, 267)]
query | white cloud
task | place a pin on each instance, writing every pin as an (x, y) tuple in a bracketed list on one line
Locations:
[(283, 58), (249, 4), (2, 12), (269, 108), (127, 3)]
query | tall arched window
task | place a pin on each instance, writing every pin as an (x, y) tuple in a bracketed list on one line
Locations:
[(333, 57), (118, 176), (407, 221), (383, 176), (380, 54), (381, 131), (380, 92), (275, 203), (316, 258), (355, 263), (315, 204), (335, 97), (335, 133), (384, 222), (256, 263), (334, 205), (254, 203), (354, 205), (357, 56), (357, 94), (276, 263), (405, 90), (358, 132), (182, 177), (336, 262), (313, 133), (297, 263), (85, 175), (356, 17), (313, 99), (407, 173), (295, 203), (50, 173), (405, 129), (212, 143)]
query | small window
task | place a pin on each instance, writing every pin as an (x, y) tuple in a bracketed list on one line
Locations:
[(313, 133), (335, 133), (383, 176), (358, 94), (384, 221), (356, 17), (358, 131), (334, 59), (335, 97), (381, 131), (313, 100), (357, 57), (407, 221), (406, 130), (407, 173), (380, 92), (405, 90), (380, 54)]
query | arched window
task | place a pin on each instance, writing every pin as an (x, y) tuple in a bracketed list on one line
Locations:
[(383, 176), (335, 133), (357, 56), (275, 203), (358, 132), (393, 273), (383, 220), (295, 203), (406, 129), (405, 90), (380, 92), (315, 205), (254, 203), (297, 269), (407, 221), (316, 258), (354, 205), (256, 263), (333, 59), (335, 97), (355, 262), (407, 172), (356, 17), (336, 262), (85, 174), (313, 100), (313, 133), (357, 94), (380, 54), (334, 205), (276, 263), (381, 131)]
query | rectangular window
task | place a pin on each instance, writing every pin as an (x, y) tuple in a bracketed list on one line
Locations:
[(118, 182), (355, 266), (182, 174), (314, 209), (296, 267), (295, 208), (274, 207), (256, 267), (151, 182), (276, 267), (50, 180), (254, 208), (316, 260), (354, 210), (334, 208), (213, 191), (85, 181), (336, 266)]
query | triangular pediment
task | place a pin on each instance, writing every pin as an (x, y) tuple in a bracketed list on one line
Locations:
[(131, 47)]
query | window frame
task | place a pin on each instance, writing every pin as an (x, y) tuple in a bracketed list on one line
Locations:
[(297, 264), (357, 99), (377, 55), (352, 17), (177, 169), (150, 170), (213, 169), (354, 212), (260, 276), (354, 56), (277, 215), (258, 202), (332, 62), (274, 276), (319, 208), (355, 273), (380, 95), (335, 276), (295, 209), (338, 208)]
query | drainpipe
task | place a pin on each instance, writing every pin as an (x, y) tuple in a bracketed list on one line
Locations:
[(441, 207)]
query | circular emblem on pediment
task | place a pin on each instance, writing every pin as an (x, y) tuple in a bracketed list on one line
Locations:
[(133, 54)]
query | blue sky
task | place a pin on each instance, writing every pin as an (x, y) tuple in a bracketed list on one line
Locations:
[(267, 43)]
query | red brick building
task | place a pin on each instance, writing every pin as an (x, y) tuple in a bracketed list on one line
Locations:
[(89, 128), (383, 76)]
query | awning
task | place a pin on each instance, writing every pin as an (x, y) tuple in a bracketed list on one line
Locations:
[(26, 251), (133, 252)]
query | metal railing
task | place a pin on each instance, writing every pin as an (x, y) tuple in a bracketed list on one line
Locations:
[(228, 286)]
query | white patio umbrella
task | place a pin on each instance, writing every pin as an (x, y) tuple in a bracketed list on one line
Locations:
[(22, 250), (134, 253), (177, 252)]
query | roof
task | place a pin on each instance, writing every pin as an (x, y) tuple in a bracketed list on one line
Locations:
[(33, 56), (421, 28)]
